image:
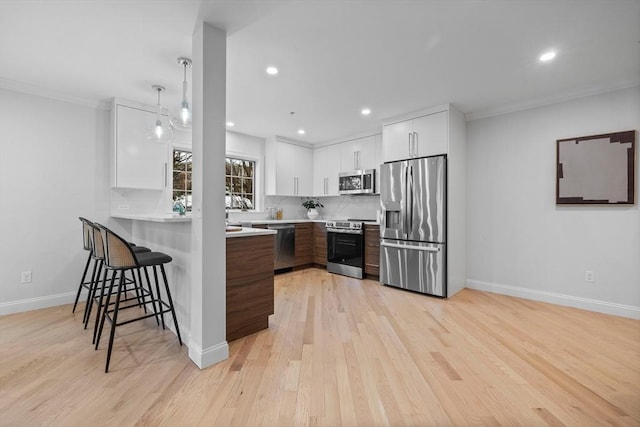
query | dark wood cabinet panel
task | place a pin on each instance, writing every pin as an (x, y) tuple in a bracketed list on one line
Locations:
[(304, 244), (372, 249), (319, 243), (249, 284)]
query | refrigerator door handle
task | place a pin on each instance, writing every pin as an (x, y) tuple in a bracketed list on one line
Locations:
[(405, 218), (413, 248), (410, 197)]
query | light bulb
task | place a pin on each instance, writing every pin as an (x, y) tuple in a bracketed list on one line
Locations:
[(185, 115), (158, 129)]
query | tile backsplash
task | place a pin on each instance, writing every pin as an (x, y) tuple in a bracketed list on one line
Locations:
[(335, 207)]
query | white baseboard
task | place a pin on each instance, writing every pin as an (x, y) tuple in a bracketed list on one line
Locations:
[(615, 309), (210, 356), (36, 303)]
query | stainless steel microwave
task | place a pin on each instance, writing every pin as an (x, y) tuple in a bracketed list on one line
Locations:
[(357, 182)]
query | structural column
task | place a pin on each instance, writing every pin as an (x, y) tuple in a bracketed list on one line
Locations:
[(208, 343)]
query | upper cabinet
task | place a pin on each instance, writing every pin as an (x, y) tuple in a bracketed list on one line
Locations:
[(358, 154), (288, 168), (325, 170), (422, 136), (137, 162)]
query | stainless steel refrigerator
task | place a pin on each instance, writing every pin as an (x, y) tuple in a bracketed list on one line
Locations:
[(413, 247)]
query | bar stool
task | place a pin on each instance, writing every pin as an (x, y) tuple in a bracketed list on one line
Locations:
[(97, 258), (119, 258), (86, 244), (98, 253)]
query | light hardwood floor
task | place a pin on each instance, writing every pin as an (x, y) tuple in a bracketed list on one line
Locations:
[(338, 351)]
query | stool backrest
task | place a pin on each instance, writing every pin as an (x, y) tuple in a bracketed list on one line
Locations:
[(87, 233), (96, 242), (118, 253)]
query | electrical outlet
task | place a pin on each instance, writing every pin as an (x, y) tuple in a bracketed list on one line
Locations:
[(588, 276), (123, 207), (26, 277)]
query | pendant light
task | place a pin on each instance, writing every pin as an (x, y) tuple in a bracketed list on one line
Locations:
[(183, 118), (161, 131)]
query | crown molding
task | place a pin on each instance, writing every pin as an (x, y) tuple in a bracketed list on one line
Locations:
[(542, 102), (43, 92)]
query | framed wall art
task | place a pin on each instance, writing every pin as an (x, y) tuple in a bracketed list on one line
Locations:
[(597, 169)]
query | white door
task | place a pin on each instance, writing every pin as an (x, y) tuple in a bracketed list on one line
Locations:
[(366, 154), (139, 162), (431, 134), (320, 164), (303, 173), (285, 169), (348, 156), (396, 141)]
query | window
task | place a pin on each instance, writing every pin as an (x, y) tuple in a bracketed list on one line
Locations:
[(239, 183), (182, 169)]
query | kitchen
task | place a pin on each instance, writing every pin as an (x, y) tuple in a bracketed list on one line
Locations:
[(499, 208)]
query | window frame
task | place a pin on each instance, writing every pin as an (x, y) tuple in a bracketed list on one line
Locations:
[(255, 178), (172, 189)]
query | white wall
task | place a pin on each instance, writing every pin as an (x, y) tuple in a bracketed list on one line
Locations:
[(54, 169), (519, 242)]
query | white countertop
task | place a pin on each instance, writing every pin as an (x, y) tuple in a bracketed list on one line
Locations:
[(291, 221), (154, 217), (245, 232)]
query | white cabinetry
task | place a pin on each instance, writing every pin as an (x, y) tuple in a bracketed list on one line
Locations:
[(358, 154), (288, 168), (137, 162), (326, 168), (426, 135)]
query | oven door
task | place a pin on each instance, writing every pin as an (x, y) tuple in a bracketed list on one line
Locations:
[(345, 252)]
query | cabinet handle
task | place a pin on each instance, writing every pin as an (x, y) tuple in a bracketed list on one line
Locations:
[(355, 162), (359, 161), (410, 151), (415, 144), (165, 175), (326, 186)]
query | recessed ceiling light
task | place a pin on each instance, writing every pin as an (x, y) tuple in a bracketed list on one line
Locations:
[(271, 70), (547, 56), (230, 124), (365, 111), (301, 131)]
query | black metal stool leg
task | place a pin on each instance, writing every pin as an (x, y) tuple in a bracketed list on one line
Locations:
[(173, 311), (114, 321), (99, 309), (155, 276), (106, 309), (84, 276), (92, 292), (150, 290)]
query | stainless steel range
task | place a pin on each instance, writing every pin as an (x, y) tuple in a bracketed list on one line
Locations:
[(345, 248)]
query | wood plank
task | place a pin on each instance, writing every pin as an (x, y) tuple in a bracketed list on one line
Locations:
[(339, 351)]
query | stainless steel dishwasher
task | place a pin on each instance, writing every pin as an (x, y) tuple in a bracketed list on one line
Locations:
[(285, 250)]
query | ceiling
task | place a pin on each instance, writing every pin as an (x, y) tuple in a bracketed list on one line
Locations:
[(335, 56)]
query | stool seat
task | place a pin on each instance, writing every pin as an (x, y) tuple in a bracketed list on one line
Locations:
[(146, 259)]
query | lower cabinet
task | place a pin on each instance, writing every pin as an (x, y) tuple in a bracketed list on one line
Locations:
[(249, 284), (372, 250), (319, 243), (304, 244)]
